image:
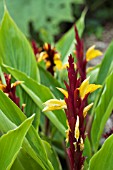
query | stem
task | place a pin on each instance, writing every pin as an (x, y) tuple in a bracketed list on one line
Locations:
[(67, 159), (47, 126)]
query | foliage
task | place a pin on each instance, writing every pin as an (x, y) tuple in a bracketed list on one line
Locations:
[(46, 22)]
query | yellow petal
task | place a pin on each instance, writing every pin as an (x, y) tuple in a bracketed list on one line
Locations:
[(86, 109), (86, 88), (48, 64), (92, 53), (75, 145), (56, 56), (92, 87), (16, 83), (67, 132), (58, 64), (42, 56), (77, 131), (81, 144), (54, 104), (63, 92), (46, 46), (83, 87), (2, 87)]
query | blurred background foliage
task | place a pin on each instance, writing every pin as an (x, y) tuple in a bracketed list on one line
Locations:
[(47, 20)]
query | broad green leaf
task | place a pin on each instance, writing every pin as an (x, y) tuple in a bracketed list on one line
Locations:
[(15, 50), (103, 159), (52, 156), (87, 149), (11, 142), (102, 111), (105, 65), (39, 94), (17, 165), (48, 80), (41, 16), (66, 44), (16, 116), (25, 162), (5, 126)]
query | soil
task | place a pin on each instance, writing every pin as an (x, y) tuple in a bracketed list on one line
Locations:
[(101, 44)]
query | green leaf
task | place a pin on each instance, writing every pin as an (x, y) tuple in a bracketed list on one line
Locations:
[(15, 50), (41, 17), (5, 126), (102, 111), (105, 65), (35, 147), (39, 94), (11, 142), (25, 162), (87, 149), (52, 156), (103, 159), (66, 44)]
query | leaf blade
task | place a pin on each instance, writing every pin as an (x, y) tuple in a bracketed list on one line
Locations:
[(103, 159), (9, 145)]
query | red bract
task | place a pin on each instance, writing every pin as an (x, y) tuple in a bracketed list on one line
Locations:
[(10, 90), (81, 60), (35, 48), (78, 89), (75, 108)]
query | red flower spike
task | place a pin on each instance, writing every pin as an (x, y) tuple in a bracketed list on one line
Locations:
[(34, 46), (10, 91), (81, 61), (74, 109)]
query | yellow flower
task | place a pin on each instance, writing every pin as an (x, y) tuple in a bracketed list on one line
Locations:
[(86, 88), (46, 46), (2, 86), (63, 92), (42, 56), (77, 131), (16, 83), (81, 144), (54, 104), (48, 64), (67, 132), (92, 53), (86, 109), (57, 62)]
